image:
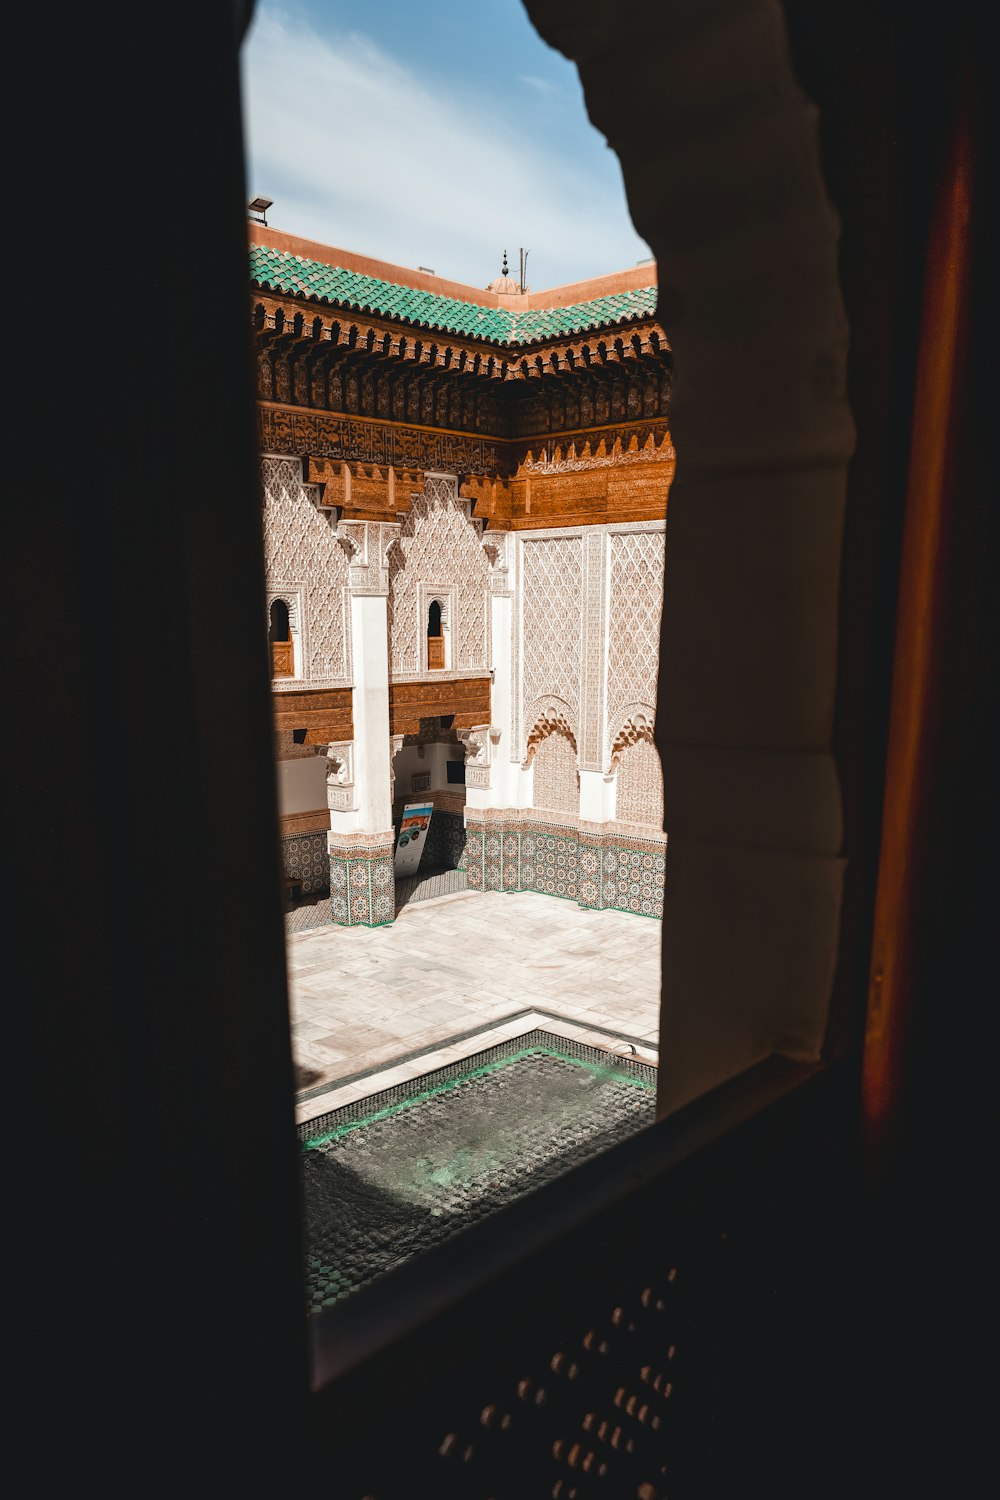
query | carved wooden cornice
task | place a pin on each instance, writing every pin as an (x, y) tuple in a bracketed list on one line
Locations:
[(465, 699), (368, 469), (363, 491), (579, 479), (325, 714), (316, 436), (353, 368), (283, 329)]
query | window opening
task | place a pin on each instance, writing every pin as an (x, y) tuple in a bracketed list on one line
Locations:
[(435, 637), (477, 566), (280, 636)]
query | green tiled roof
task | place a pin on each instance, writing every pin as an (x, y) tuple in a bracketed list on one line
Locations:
[(278, 271)]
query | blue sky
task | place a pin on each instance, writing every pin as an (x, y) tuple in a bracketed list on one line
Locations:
[(434, 134)]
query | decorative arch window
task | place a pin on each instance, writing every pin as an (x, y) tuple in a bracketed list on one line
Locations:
[(280, 636), (437, 637)]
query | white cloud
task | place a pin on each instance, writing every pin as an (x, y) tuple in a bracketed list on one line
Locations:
[(543, 87), (360, 152)]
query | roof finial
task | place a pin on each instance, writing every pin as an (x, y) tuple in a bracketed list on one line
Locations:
[(504, 284)]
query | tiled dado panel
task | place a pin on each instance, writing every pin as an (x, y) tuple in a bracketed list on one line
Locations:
[(632, 877), (445, 847), (599, 870), (362, 884), (304, 857)]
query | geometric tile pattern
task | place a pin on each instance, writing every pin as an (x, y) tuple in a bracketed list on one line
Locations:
[(362, 885), (305, 916), (632, 879), (301, 551), (439, 546), (386, 1176), (412, 889), (304, 858), (445, 847), (597, 865)]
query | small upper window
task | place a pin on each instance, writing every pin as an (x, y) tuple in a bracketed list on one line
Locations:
[(435, 637), (280, 636)]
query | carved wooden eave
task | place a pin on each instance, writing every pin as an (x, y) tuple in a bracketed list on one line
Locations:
[(465, 700), (363, 492), (571, 430), (325, 714), (367, 368), (578, 480), (284, 326), (490, 496)]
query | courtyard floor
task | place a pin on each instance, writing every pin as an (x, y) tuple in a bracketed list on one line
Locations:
[(374, 1007)]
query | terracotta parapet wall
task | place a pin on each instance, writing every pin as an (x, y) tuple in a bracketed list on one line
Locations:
[(558, 296)]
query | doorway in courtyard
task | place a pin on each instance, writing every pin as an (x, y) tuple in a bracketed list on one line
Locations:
[(428, 810)]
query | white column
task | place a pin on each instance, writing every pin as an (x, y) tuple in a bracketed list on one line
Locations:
[(370, 703), (498, 787), (501, 697), (370, 809), (597, 797)]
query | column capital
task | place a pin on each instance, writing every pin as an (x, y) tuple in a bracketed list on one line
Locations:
[(479, 742), (497, 546), (367, 544), (340, 789)]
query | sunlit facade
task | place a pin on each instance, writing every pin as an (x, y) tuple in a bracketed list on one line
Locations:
[(465, 495)]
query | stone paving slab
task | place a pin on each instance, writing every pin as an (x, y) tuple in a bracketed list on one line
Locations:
[(366, 996)]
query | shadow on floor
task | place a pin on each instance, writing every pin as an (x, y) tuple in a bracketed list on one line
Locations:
[(316, 910), (427, 884)]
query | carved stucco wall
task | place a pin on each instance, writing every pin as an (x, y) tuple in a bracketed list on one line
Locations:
[(636, 597), (439, 545), (557, 782), (639, 796), (551, 627), (588, 633), (302, 554)]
